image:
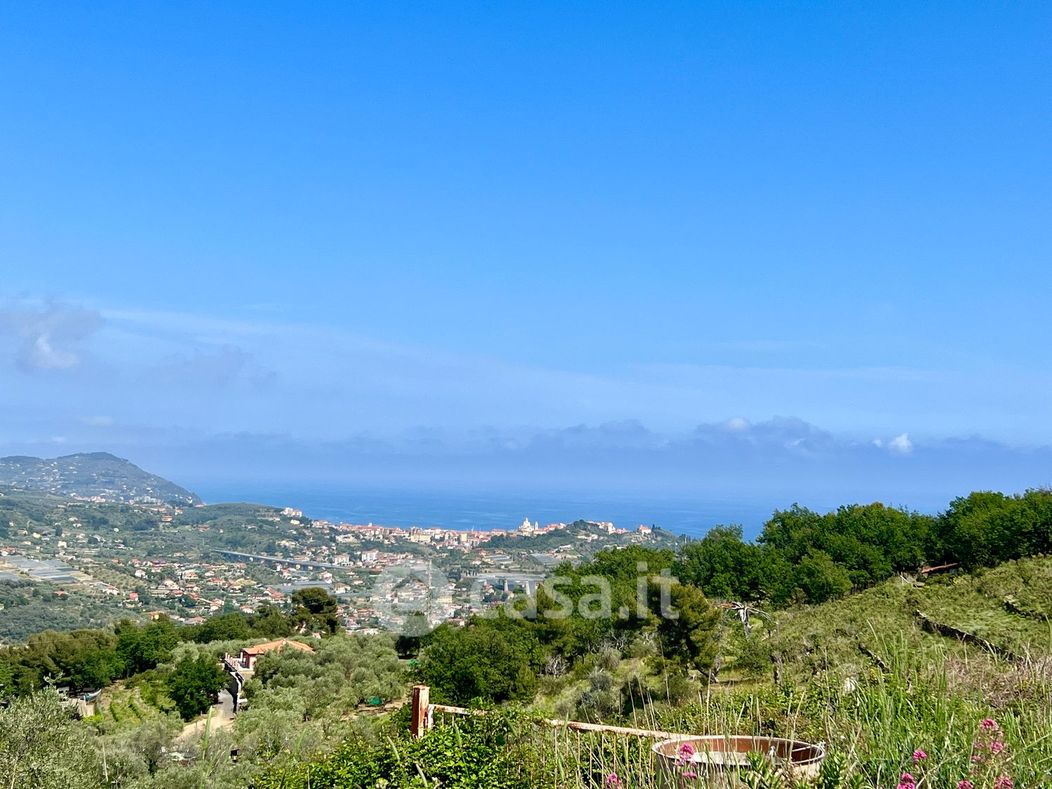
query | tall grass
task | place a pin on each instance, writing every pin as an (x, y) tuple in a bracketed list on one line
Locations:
[(928, 718), (872, 727), (859, 675)]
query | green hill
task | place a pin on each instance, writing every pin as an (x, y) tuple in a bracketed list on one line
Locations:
[(91, 475), (1006, 606)]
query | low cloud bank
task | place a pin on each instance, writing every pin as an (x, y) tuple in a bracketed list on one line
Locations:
[(780, 460)]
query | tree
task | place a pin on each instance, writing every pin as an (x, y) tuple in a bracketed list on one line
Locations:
[(488, 659), (722, 565), (792, 530), (95, 669), (151, 739), (83, 659), (42, 746), (270, 622), (194, 685), (225, 627), (819, 578), (985, 528), (868, 542), (343, 672), (609, 580), (314, 609), (142, 648), (775, 574), (688, 629)]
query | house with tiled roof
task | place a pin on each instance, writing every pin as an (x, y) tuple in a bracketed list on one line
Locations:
[(243, 666), (249, 655)]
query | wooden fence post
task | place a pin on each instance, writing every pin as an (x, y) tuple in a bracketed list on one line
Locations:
[(421, 708)]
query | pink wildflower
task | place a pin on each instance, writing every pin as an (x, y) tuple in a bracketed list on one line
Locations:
[(919, 755), (613, 781), (989, 724), (997, 746), (907, 782), (685, 754), (1003, 782), (965, 784)]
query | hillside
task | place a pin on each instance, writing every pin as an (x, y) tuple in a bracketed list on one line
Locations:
[(908, 677), (1006, 606), (91, 475)]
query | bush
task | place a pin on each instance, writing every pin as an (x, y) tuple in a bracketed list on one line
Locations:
[(42, 746), (194, 685), (465, 754), (491, 660)]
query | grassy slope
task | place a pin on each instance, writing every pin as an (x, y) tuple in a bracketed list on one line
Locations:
[(826, 636), (835, 637), (932, 694)]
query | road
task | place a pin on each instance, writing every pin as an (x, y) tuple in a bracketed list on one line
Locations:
[(219, 716)]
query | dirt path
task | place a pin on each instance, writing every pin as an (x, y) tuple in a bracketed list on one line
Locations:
[(219, 716)]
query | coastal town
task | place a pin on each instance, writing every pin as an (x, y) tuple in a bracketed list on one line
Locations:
[(190, 562)]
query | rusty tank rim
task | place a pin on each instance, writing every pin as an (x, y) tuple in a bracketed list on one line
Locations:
[(797, 753)]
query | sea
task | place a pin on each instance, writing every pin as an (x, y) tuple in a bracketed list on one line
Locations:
[(492, 510)]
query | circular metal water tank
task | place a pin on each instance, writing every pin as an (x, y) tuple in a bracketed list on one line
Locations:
[(718, 760)]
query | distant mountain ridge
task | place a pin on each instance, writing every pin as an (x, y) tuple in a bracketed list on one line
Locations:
[(91, 474)]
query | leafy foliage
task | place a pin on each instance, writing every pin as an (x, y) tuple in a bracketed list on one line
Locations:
[(491, 660), (690, 635), (142, 647), (984, 529), (194, 685), (804, 556), (86, 660), (315, 610), (469, 754), (269, 621), (857, 671), (43, 746)]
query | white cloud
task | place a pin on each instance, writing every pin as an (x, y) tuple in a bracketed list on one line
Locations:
[(41, 354), (48, 336), (307, 378), (901, 444)]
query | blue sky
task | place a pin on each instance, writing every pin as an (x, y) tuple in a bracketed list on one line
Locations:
[(425, 229)]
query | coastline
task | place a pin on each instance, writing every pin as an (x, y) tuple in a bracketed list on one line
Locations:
[(495, 510)]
